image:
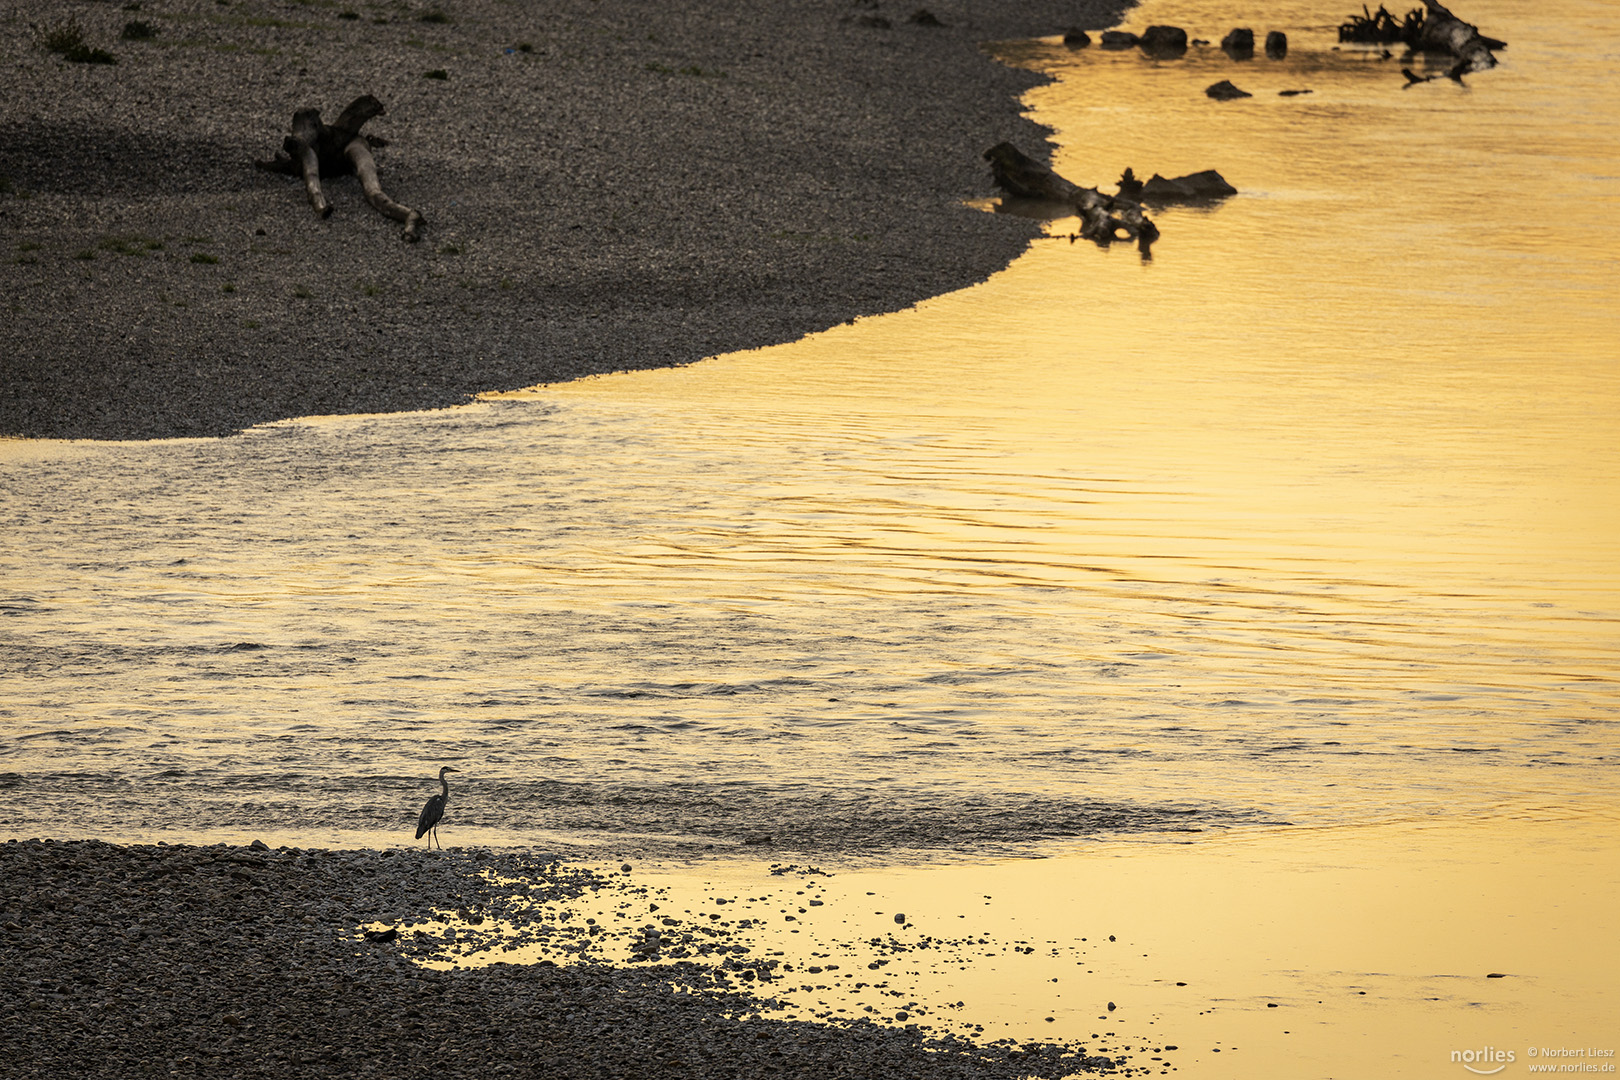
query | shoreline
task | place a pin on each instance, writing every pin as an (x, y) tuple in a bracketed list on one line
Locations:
[(1233, 958), (607, 187), (246, 961)]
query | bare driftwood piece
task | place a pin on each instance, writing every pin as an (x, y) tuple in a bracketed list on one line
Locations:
[(1103, 218), (314, 150), (1435, 30), (1444, 32), (1381, 28)]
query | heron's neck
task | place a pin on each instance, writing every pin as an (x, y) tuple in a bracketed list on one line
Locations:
[(446, 782)]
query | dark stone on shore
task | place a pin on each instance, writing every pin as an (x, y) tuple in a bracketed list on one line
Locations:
[(1164, 42), (1276, 44), (924, 17), (1077, 39), (642, 186), (1119, 39), (1225, 91), (1239, 44)]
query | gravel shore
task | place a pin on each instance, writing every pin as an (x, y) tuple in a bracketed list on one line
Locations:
[(245, 961), (608, 185)]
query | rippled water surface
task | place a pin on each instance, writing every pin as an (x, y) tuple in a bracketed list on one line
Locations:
[(1312, 518)]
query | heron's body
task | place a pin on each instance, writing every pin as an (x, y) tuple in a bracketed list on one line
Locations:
[(428, 823)]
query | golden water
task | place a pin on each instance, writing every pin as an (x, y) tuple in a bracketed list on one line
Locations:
[(1311, 519)]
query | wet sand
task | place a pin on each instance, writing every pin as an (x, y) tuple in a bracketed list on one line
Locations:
[(1269, 954), (607, 186), (188, 961)]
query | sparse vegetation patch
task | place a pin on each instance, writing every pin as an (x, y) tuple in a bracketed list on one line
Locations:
[(67, 41)]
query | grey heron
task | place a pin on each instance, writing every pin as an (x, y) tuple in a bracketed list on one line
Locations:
[(434, 810)]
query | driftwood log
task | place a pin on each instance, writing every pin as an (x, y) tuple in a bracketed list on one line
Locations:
[(1431, 29), (315, 149), (1103, 218), (1444, 32)]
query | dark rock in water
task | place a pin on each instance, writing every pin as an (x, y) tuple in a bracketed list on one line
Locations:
[(1276, 44), (1239, 44), (1077, 39), (1119, 39), (1166, 41), (1194, 187), (924, 17), (1291, 93), (383, 935), (900, 917), (1129, 185), (1225, 91)]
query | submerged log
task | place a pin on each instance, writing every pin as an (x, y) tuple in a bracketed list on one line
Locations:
[(1433, 29), (1444, 32), (315, 150), (1103, 218), (1381, 28)]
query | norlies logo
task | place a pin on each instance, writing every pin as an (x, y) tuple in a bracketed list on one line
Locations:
[(1486, 1061)]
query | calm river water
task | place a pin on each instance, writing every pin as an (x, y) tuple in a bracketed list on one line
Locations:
[(1312, 518)]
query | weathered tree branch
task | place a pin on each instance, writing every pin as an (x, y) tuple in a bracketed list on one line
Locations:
[(366, 169), (1444, 32), (1103, 218), (314, 150)]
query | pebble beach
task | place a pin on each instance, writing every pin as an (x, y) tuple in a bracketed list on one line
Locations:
[(607, 186), (251, 961)]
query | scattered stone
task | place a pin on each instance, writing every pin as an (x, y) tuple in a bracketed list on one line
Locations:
[(1225, 91), (1239, 43), (1292, 93), (1163, 42), (1194, 187), (1119, 39), (924, 17), (900, 917), (1276, 44), (1077, 39)]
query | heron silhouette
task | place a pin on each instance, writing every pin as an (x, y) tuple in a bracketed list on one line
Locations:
[(428, 824)]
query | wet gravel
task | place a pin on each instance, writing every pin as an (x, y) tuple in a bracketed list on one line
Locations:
[(608, 185), (122, 961)]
